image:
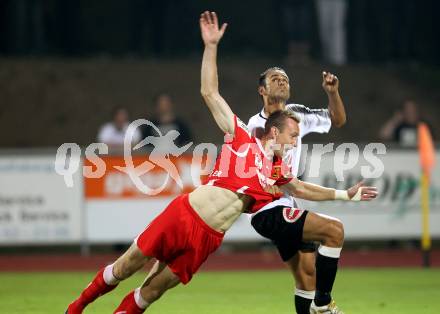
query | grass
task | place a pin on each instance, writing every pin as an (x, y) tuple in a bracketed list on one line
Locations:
[(360, 291)]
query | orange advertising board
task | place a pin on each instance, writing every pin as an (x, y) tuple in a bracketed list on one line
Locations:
[(163, 176)]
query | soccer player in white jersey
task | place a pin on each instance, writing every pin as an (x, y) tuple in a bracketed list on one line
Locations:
[(298, 256)]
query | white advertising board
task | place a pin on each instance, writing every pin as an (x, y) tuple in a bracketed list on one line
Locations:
[(396, 213), (36, 207)]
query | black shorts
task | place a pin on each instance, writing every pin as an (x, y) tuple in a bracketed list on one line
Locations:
[(284, 226)]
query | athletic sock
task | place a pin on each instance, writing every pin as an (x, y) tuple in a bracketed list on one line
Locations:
[(140, 301), (303, 299), (326, 268), (95, 289), (129, 304), (108, 276)]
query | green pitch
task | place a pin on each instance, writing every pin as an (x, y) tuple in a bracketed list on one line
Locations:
[(398, 291)]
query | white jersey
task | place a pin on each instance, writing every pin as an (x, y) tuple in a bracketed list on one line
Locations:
[(311, 121)]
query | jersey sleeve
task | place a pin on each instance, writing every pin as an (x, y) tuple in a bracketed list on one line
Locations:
[(241, 131), (312, 120)]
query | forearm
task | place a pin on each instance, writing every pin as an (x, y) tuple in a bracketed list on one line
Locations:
[(310, 191), (313, 192), (222, 113), (336, 109), (209, 76)]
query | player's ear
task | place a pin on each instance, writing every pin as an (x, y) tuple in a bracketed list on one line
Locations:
[(261, 90), (274, 131)]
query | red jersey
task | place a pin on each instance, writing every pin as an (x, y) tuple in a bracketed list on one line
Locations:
[(244, 167)]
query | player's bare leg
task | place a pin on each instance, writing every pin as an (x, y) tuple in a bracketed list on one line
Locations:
[(302, 266), (109, 277), (129, 263), (159, 280), (330, 233)]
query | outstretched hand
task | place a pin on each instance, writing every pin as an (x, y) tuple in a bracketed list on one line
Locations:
[(211, 33), (359, 192)]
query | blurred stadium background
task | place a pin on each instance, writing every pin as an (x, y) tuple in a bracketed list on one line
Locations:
[(69, 67)]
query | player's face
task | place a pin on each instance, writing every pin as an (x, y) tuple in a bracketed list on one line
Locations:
[(277, 85), (287, 138)]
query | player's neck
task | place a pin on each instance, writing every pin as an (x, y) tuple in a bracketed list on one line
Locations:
[(271, 107)]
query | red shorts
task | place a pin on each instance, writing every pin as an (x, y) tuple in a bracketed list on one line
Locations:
[(179, 238)]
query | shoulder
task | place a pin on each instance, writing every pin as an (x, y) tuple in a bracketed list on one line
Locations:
[(241, 126), (298, 108), (241, 131), (253, 119), (256, 125), (256, 120)]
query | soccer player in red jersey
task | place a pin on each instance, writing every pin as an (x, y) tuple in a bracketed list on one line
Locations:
[(193, 225)]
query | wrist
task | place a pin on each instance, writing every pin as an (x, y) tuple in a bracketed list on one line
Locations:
[(211, 45), (332, 94), (341, 195)]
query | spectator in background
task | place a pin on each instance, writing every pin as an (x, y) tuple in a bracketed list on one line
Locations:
[(113, 133), (166, 120), (331, 18), (402, 126)]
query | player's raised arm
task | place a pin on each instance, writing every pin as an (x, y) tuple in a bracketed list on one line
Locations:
[(313, 192), (211, 35), (330, 84)]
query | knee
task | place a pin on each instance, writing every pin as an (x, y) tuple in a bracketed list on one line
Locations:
[(335, 233)]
